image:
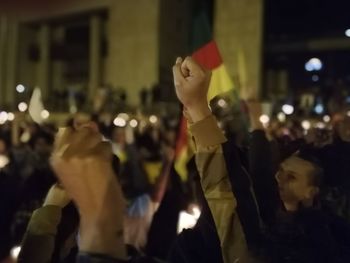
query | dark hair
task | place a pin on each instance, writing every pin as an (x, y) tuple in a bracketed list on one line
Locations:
[(311, 155)]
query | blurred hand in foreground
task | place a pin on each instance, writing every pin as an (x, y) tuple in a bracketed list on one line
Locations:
[(83, 164)]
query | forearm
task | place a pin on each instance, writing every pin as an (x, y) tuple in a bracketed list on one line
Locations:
[(39, 240), (215, 183)]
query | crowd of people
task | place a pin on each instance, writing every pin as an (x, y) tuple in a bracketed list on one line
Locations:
[(96, 193)]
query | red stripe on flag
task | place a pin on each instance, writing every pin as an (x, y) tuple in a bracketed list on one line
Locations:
[(182, 138), (208, 56)]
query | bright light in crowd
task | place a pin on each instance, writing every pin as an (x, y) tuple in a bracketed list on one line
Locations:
[(306, 125), (3, 117), (288, 109), (347, 32), (119, 122), (319, 109), (4, 160), (281, 117), (264, 119), (222, 103), (153, 119), (188, 219), (22, 106), (10, 116), (124, 116), (15, 252), (133, 123), (320, 125), (314, 64), (20, 88), (45, 114), (326, 118), (315, 78), (348, 113)]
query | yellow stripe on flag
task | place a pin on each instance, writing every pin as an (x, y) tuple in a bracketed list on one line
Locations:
[(220, 82)]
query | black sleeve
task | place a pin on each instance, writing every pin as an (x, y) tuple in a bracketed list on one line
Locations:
[(262, 176)]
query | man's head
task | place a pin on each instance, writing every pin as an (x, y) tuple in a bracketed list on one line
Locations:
[(299, 178)]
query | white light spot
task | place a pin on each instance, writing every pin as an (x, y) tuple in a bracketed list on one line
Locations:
[(264, 119), (222, 103), (306, 125), (326, 118), (3, 117), (314, 64), (348, 113), (22, 106), (15, 252), (124, 116), (133, 123), (320, 125), (281, 117), (20, 88), (347, 32), (119, 122), (10, 116), (4, 160), (45, 114), (288, 109), (319, 109), (153, 119)]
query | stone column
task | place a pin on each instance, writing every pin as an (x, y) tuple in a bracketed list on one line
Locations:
[(43, 73), (95, 56), (133, 42), (12, 63), (238, 29), (3, 40)]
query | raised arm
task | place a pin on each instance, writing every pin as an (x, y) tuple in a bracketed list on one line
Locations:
[(191, 84), (39, 240)]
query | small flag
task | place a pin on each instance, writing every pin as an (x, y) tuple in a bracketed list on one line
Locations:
[(205, 51), (36, 106)]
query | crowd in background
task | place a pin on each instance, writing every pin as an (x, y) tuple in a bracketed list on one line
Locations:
[(144, 158)]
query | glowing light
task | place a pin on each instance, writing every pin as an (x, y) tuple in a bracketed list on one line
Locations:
[(320, 125), (45, 114), (306, 125), (264, 119), (347, 32), (222, 103), (3, 117), (15, 252), (22, 106), (288, 109), (10, 116), (281, 117), (119, 122), (188, 219), (319, 109), (133, 123), (20, 88), (4, 160), (153, 119), (124, 116), (314, 64), (326, 118)]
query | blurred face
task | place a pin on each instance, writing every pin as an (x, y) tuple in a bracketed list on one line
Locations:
[(343, 129), (294, 182), (42, 147), (2, 147), (119, 136)]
